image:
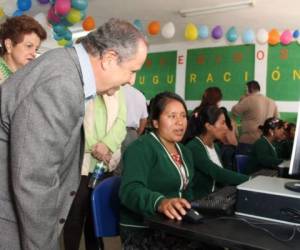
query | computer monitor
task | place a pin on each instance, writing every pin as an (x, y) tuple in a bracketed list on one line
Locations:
[(295, 159)]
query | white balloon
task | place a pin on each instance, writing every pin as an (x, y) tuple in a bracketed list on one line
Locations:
[(168, 30), (9, 8), (262, 36)]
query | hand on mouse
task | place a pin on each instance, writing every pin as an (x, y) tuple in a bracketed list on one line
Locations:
[(174, 208)]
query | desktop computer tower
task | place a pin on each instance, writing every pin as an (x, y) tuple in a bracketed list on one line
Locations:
[(265, 197)]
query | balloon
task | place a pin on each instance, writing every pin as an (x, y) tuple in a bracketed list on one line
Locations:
[(43, 1), (82, 15), (274, 37), (191, 32), (62, 7), (88, 23), (286, 37), (52, 18), (62, 42), (68, 35), (217, 32), (231, 34), (154, 28), (168, 30), (74, 16), (138, 24), (2, 14), (262, 36), (248, 36), (203, 31), (9, 8), (296, 34), (24, 5), (18, 13), (59, 29), (79, 4)]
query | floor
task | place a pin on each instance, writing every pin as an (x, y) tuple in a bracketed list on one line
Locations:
[(111, 243)]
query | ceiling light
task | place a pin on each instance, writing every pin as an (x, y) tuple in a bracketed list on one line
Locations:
[(216, 8)]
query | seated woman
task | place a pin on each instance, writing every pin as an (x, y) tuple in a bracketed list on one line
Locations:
[(263, 153), (209, 125), (156, 177)]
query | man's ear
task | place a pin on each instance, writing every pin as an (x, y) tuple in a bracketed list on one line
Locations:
[(109, 58), (8, 45)]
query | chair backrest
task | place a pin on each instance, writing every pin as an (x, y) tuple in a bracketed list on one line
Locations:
[(241, 162), (106, 207)]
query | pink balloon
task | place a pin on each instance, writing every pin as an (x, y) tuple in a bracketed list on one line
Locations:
[(52, 18), (62, 7), (286, 37)]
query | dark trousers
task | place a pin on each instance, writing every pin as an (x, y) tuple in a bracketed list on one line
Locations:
[(79, 218)]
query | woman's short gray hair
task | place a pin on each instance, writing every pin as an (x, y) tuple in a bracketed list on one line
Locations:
[(117, 35)]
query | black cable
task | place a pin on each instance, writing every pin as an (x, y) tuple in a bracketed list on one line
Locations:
[(255, 225)]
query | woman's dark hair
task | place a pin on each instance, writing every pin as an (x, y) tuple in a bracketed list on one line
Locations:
[(159, 102), (196, 126), (271, 123), (15, 28), (227, 118), (211, 96)]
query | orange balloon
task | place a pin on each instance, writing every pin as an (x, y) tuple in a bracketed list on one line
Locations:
[(154, 28), (274, 37), (88, 23)]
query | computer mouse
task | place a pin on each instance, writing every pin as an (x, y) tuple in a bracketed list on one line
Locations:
[(192, 216)]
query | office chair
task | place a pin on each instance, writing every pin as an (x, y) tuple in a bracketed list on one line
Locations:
[(241, 162), (106, 207)]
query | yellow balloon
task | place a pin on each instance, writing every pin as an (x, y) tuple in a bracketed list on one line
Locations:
[(73, 16), (191, 32), (2, 14), (62, 42)]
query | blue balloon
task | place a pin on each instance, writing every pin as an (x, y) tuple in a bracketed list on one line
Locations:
[(82, 15), (68, 35), (24, 4), (18, 13), (203, 32), (59, 29), (296, 34), (138, 24), (231, 34), (248, 36), (58, 37), (79, 4)]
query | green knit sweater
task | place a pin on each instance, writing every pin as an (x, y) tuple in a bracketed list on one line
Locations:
[(263, 155), (149, 175), (206, 171)]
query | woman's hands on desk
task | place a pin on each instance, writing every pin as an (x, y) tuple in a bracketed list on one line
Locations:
[(174, 208)]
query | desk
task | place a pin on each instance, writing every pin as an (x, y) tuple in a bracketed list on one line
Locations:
[(232, 233)]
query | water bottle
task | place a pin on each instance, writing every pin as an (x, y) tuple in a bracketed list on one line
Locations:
[(98, 172)]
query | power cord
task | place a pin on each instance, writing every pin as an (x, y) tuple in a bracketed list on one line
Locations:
[(257, 226)]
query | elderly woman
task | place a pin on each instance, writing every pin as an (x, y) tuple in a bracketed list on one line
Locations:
[(20, 38)]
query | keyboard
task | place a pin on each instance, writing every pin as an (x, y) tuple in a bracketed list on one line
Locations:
[(220, 202)]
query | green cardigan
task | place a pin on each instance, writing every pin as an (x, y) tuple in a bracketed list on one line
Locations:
[(148, 176), (263, 155), (206, 171)]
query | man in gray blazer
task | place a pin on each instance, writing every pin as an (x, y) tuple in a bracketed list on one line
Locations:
[(41, 143)]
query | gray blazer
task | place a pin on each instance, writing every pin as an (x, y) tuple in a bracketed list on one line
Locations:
[(41, 145)]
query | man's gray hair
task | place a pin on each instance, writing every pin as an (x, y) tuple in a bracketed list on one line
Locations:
[(117, 35)]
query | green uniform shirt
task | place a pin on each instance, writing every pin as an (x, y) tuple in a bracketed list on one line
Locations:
[(149, 175), (206, 171), (263, 155)]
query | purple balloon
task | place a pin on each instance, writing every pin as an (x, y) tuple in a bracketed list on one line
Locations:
[(43, 1), (217, 32)]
